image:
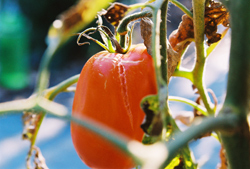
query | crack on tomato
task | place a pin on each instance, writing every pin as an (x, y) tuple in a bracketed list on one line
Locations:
[(124, 88)]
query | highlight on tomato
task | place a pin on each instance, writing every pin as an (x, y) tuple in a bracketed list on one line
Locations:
[(109, 91)]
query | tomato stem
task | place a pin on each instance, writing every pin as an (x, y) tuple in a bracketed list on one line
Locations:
[(182, 7), (198, 71), (189, 102), (123, 29), (163, 41)]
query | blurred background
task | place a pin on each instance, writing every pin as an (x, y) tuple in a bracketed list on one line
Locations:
[(24, 25)]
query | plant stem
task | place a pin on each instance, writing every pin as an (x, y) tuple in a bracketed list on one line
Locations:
[(198, 71), (189, 102), (237, 144), (200, 127), (43, 74), (163, 41), (52, 92), (184, 73), (182, 7), (123, 28)]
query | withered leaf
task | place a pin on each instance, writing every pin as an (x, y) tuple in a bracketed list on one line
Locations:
[(115, 13), (215, 14), (39, 160), (146, 26), (183, 36), (185, 117), (30, 122)]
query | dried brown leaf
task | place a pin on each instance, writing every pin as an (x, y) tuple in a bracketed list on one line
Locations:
[(30, 122), (186, 118), (146, 26), (115, 13), (38, 159), (215, 14), (183, 36), (173, 60)]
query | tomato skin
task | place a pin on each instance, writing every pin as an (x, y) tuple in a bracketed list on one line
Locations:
[(109, 91)]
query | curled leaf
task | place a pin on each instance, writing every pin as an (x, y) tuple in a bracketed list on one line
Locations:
[(115, 13), (183, 36), (153, 123), (146, 26)]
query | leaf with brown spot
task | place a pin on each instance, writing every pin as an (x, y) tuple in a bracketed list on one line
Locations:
[(115, 13)]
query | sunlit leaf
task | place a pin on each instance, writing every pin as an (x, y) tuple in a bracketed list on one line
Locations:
[(76, 18)]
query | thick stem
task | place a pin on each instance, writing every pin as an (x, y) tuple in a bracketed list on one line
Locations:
[(237, 145), (200, 127), (163, 41)]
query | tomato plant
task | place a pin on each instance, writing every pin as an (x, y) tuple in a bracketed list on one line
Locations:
[(106, 118), (109, 90)]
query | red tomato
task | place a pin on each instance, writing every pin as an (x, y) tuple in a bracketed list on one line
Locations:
[(109, 91)]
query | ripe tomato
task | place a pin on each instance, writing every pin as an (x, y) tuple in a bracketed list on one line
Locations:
[(109, 91)]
